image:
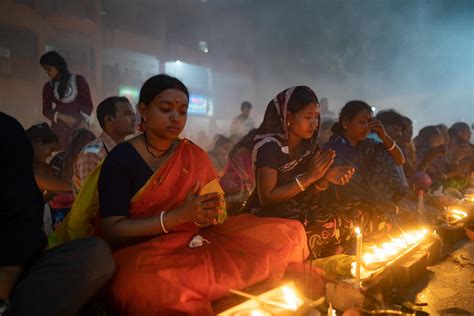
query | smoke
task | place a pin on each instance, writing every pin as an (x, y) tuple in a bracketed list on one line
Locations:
[(414, 56)]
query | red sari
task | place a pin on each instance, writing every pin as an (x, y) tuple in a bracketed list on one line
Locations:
[(164, 276)]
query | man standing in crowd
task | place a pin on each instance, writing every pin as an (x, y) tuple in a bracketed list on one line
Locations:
[(242, 124)]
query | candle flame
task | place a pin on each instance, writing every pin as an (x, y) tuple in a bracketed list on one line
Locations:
[(455, 215), (292, 299), (357, 230), (458, 213), (258, 312)]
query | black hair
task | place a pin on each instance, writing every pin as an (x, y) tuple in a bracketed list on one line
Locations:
[(108, 107), (458, 127), (390, 117), (407, 121), (427, 132), (157, 84), (246, 105), (222, 140), (54, 59), (348, 112), (41, 134), (301, 97)]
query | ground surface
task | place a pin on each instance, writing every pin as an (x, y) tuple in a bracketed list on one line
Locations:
[(448, 287)]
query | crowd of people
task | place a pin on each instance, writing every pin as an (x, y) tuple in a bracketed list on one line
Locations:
[(163, 227)]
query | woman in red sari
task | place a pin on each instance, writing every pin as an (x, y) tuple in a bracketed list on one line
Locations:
[(161, 209)]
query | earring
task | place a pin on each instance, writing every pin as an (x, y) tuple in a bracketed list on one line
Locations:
[(142, 126), (288, 123)]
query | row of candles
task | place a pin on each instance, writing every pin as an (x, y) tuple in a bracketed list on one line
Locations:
[(379, 255), (286, 298)]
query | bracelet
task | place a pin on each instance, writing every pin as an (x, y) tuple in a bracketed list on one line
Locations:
[(162, 222), (393, 145), (199, 225), (299, 183), (322, 188)]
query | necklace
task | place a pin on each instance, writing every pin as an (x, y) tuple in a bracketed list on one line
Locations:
[(147, 145)]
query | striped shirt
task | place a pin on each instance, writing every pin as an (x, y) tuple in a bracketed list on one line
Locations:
[(89, 157)]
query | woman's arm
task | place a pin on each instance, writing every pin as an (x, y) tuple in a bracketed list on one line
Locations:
[(48, 111), (267, 179), (394, 150), (121, 230), (8, 278), (270, 194), (50, 182), (430, 156), (84, 96)]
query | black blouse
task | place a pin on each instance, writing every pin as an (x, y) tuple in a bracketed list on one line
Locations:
[(123, 174), (271, 155)]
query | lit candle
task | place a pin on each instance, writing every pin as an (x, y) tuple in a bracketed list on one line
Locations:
[(358, 255)]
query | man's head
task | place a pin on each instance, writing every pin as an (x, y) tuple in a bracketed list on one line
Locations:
[(245, 108), (116, 117), (393, 123)]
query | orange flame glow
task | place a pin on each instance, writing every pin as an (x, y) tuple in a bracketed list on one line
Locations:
[(387, 251)]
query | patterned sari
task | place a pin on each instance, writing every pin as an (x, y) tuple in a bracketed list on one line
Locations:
[(377, 178), (165, 276), (326, 228)]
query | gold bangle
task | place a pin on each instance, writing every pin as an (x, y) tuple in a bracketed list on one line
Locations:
[(393, 146), (300, 183)]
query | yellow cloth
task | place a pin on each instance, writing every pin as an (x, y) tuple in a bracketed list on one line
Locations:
[(79, 222)]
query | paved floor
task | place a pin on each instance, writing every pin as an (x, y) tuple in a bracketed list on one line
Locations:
[(448, 287)]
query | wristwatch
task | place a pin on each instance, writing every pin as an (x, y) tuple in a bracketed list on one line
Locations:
[(3, 306)]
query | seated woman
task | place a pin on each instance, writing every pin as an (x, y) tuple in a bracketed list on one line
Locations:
[(44, 143), (408, 147), (62, 164), (378, 177), (431, 156), (161, 210), (219, 155), (460, 155), (239, 179), (291, 171)]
